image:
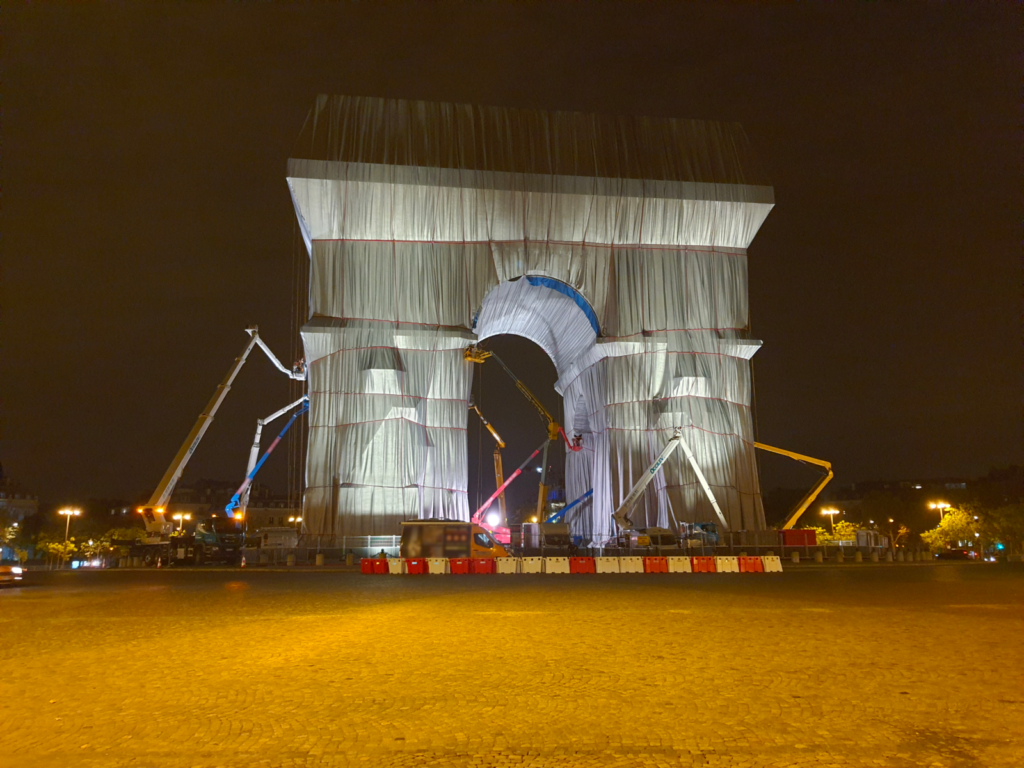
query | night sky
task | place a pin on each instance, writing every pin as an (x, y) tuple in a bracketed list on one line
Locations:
[(146, 220)]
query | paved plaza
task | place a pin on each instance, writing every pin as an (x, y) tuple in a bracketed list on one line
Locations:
[(902, 665)]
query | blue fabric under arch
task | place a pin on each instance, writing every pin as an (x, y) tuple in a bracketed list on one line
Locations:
[(572, 293)]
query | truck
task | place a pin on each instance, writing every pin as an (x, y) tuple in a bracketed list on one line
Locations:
[(448, 538)]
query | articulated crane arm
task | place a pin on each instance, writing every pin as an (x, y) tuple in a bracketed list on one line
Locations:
[(811, 494), (153, 512), (621, 514), (475, 354), (499, 470), (241, 497)]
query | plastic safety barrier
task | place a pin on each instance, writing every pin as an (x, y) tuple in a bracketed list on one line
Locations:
[(751, 565), (703, 564), (458, 565), (416, 566), (437, 565), (772, 564), (366, 565), (677, 564), (727, 564), (380, 565), (556, 565), (395, 565), (655, 565), (532, 565), (581, 565), (631, 564), (606, 565), (506, 565), (481, 565)]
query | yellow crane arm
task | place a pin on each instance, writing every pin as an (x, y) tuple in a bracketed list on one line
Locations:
[(492, 430), (812, 494)]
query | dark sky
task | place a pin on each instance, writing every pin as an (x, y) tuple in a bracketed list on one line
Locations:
[(146, 219)]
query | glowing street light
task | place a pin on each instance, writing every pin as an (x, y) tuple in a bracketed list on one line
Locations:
[(68, 513), (181, 517), (832, 512), (941, 506)]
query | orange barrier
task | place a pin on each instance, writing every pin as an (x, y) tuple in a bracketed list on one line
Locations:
[(481, 565), (703, 564), (751, 565), (655, 565), (366, 565), (380, 565), (459, 565), (416, 565), (581, 565)]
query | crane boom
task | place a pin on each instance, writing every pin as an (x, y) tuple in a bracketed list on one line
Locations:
[(165, 487), (153, 512), (254, 452), (243, 489), (676, 441), (812, 494), (499, 471)]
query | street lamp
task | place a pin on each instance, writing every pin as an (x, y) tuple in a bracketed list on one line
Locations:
[(181, 518), (941, 506), (68, 513), (831, 518), (977, 546)]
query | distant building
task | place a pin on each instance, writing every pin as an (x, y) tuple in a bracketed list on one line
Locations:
[(15, 503), (265, 510)]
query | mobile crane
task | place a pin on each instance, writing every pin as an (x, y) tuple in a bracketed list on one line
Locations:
[(161, 541), (476, 354)]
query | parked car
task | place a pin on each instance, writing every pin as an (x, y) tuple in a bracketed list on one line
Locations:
[(954, 554), (11, 574)]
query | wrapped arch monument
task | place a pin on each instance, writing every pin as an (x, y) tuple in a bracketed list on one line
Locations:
[(617, 244)]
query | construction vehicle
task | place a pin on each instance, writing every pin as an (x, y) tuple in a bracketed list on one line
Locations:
[(239, 501), (476, 354), (812, 494), (499, 473), (448, 538), (621, 514), (161, 543)]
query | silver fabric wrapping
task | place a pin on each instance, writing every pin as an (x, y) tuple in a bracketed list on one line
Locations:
[(431, 226)]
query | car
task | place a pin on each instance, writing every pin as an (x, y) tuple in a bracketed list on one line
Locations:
[(11, 574), (954, 554)]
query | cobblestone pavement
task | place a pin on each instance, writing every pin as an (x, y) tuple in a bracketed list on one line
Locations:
[(916, 665)]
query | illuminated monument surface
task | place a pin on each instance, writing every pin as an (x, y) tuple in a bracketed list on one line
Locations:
[(617, 244)]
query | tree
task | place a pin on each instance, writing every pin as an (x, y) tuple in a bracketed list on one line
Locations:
[(956, 526), (1005, 524)]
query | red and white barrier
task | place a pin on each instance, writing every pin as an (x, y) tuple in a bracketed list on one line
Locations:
[(581, 565)]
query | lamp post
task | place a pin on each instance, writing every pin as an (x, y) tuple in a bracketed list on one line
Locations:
[(68, 514), (831, 518), (941, 506), (181, 517)]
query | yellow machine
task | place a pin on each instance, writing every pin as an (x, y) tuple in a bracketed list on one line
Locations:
[(812, 494), (499, 472), (475, 354)]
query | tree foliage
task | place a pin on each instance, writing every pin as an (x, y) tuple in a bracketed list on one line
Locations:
[(957, 525)]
